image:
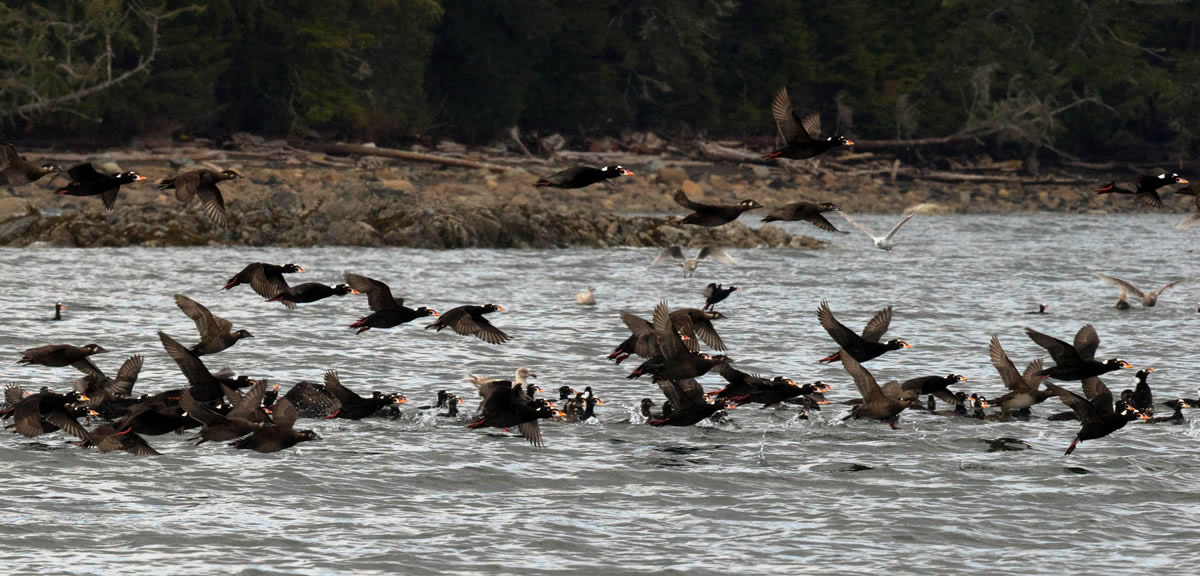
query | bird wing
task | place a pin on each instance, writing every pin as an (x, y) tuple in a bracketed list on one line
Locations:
[(896, 228), (855, 223), (185, 186), (637, 324), (127, 376), (867, 387), (1008, 373), (845, 337), (88, 367), (1123, 284), (1098, 394), (532, 432), (1078, 404), (249, 402), (266, 286), (379, 296), (1191, 220), (10, 156), (898, 391), (488, 387), (781, 109), (717, 254), (1032, 374), (342, 393), (705, 330), (214, 204), (13, 394), (682, 199), (823, 223), (138, 446), (690, 392), (668, 253), (1150, 198), (468, 325), (208, 325), (1063, 353), (1164, 288), (284, 414), (197, 411), (84, 173), (1086, 342), (109, 197), (192, 367), (668, 339), (878, 326), (67, 424), (308, 395), (682, 321), (27, 416), (708, 290)]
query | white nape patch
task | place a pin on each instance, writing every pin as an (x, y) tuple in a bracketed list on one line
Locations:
[(1161, 176), (604, 169)]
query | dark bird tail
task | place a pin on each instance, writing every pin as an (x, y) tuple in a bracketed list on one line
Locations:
[(165, 183), (232, 282), (770, 219)]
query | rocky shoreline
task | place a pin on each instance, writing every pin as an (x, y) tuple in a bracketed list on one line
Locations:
[(374, 202)]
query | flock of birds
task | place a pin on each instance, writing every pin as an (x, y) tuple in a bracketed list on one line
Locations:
[(224, 407)]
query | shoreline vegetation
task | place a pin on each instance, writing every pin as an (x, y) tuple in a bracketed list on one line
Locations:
[(298, 194)]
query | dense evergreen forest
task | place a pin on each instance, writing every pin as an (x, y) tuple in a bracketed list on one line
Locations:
[(1090, 79)]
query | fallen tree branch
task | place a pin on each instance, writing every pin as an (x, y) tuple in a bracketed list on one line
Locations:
[(960, 178), (357, 150)]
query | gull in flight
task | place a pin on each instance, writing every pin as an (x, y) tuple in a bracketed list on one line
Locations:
[(689, 264), (884, 242), (1149, 299)]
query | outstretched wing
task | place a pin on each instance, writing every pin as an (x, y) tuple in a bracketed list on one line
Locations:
[(668, 339), (468, 325), (209, 326), (672, 252), (213, 203), (1008, 373), (878, 326), (717, 254), (855, 223), (379, 296), (1164, 288), (343, 394), (682, 199), (1078, 404), (1086, 342), (863, 380), (845, 337), (791, 127), (1063, 353), (1123, 284), (896, 228)]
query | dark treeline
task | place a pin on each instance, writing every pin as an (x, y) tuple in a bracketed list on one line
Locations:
[(1063, 78)]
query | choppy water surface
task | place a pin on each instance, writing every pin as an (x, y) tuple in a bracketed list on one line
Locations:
[(765, 494)]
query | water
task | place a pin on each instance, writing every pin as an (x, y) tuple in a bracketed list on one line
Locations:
[(765, 494)]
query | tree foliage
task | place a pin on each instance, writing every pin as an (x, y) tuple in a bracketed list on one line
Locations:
[(1069, 78)]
